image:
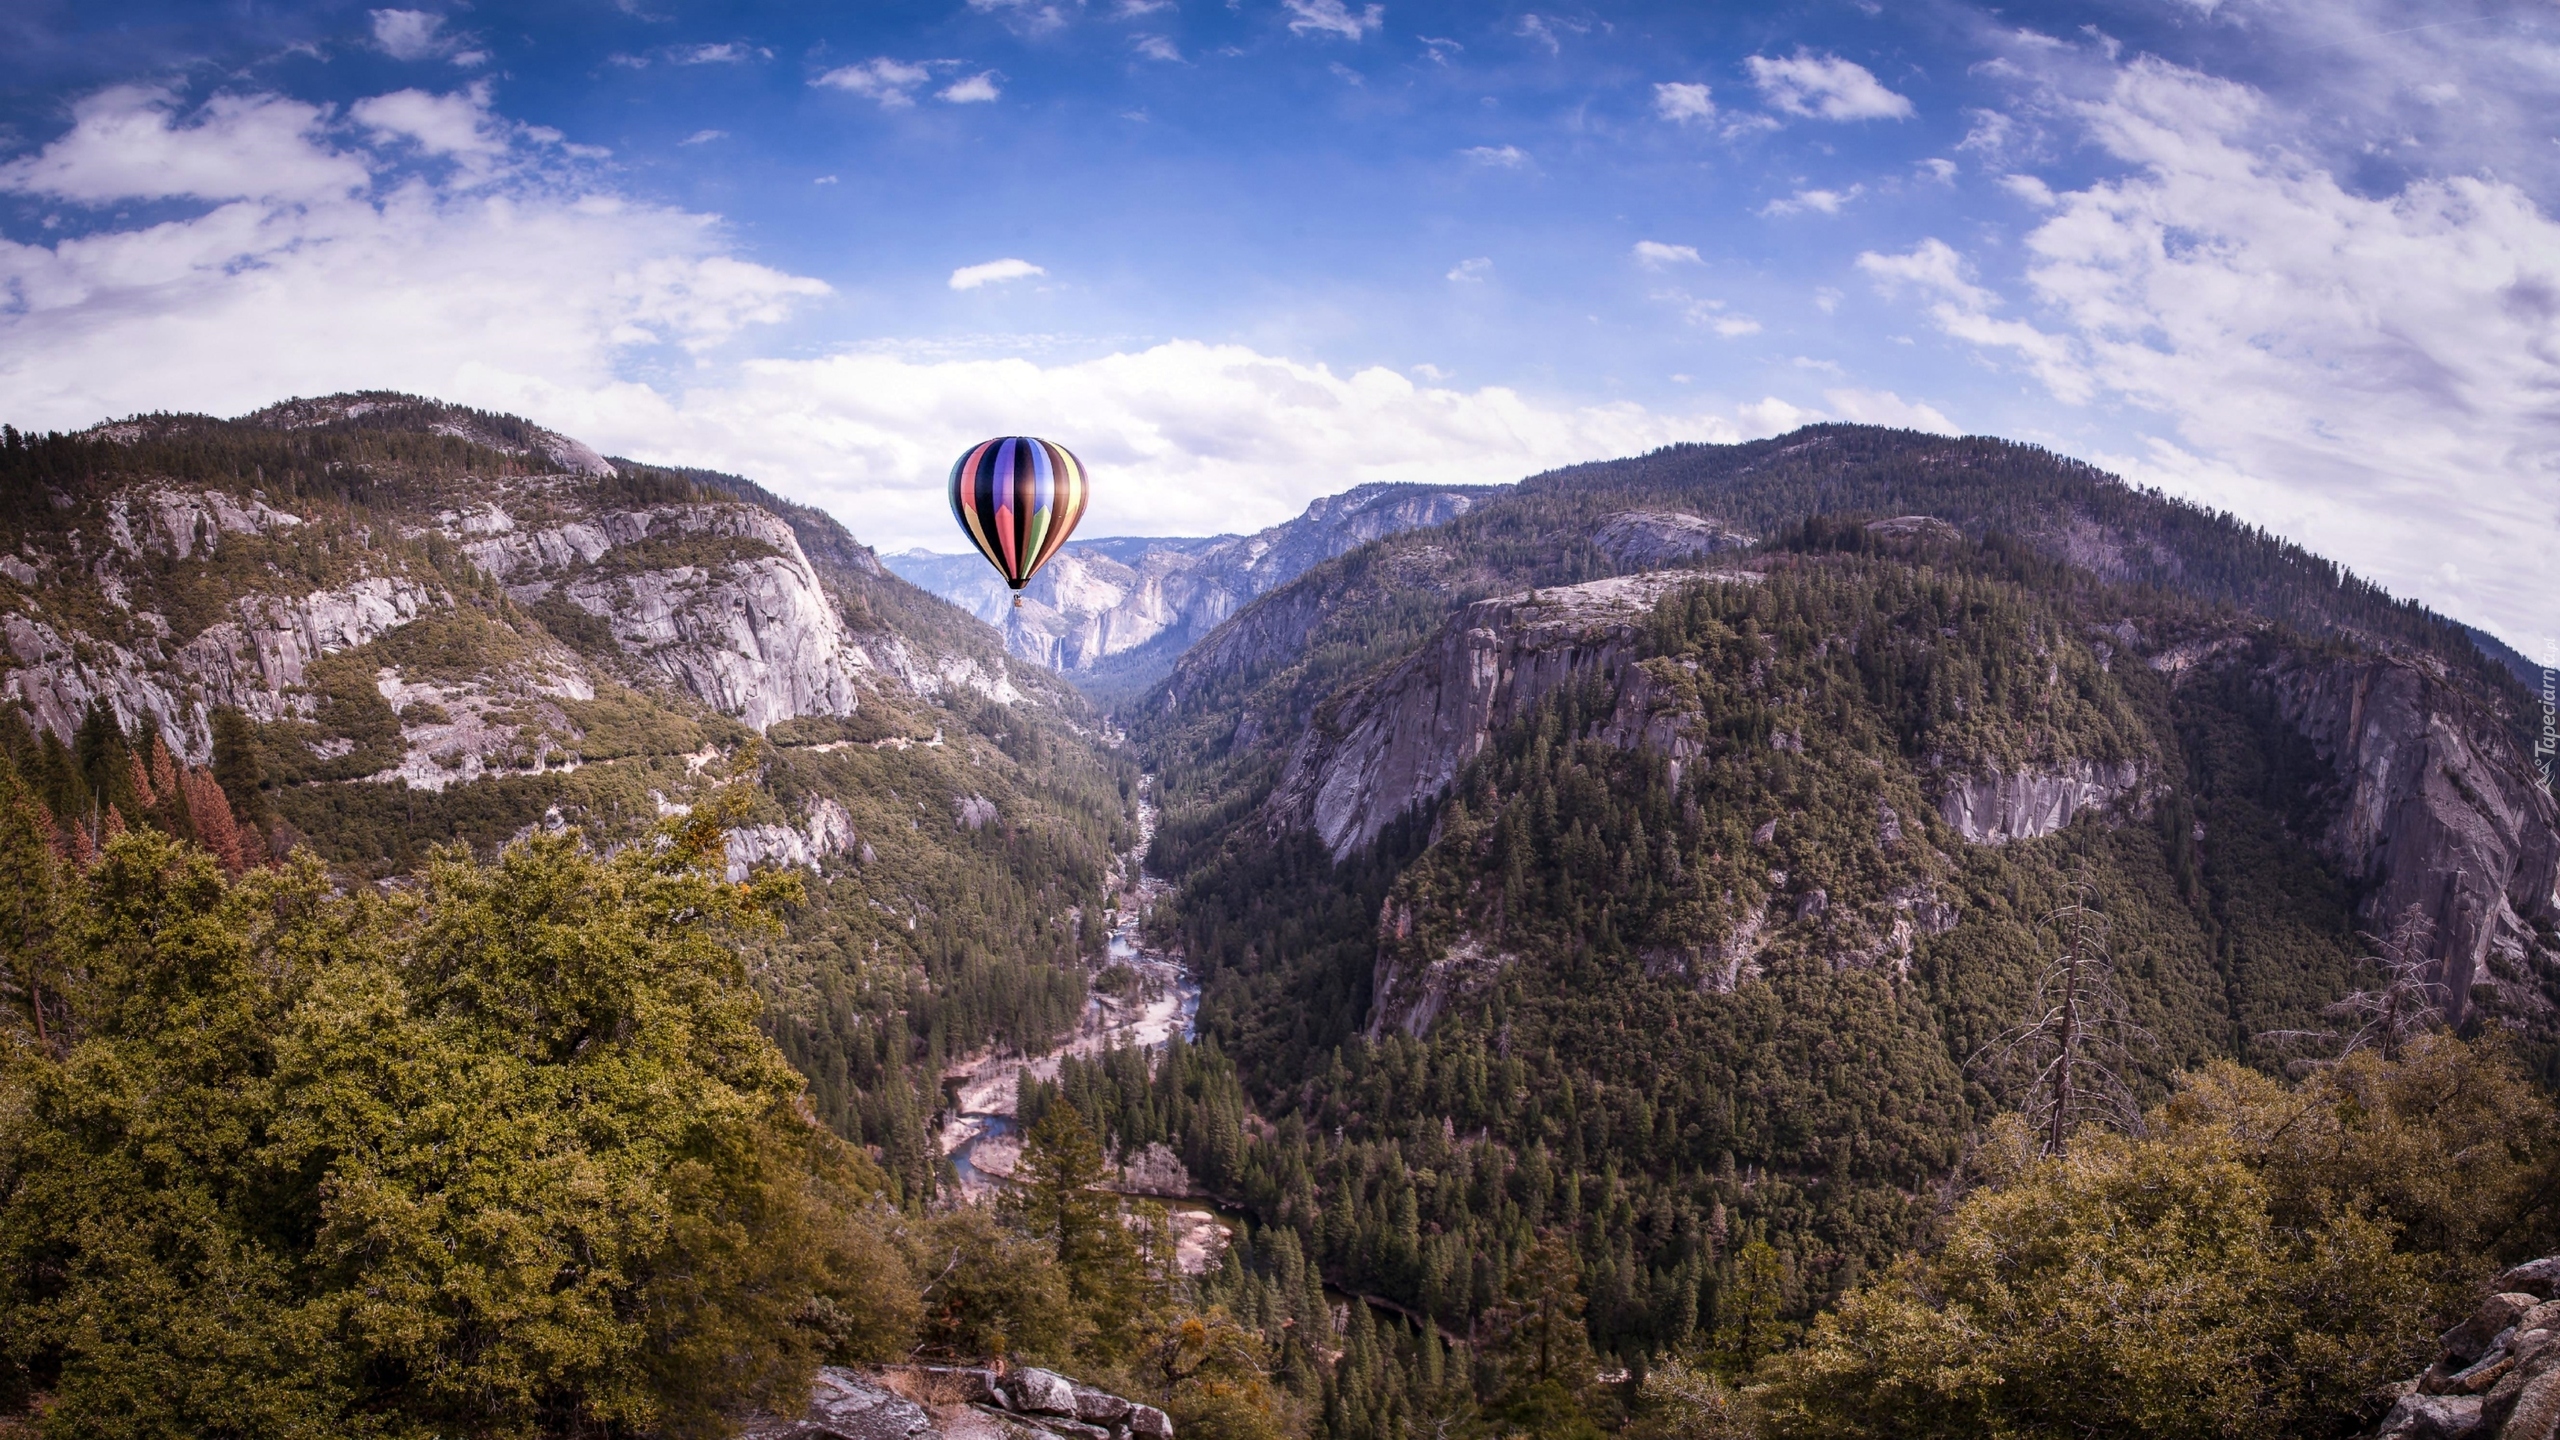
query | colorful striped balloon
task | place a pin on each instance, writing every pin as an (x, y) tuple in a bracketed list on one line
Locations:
[(1018, 499)]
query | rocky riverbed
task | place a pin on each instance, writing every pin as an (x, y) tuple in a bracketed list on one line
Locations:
[(979, 1128)]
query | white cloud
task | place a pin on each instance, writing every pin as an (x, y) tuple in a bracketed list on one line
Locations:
[(125, 143), (1734, 327), (1963, 309), (973, 89), (1332, 17), (1940, 170), (1883, 407), (993, 272), (2030, 189), (1157, 47), (1543, 28), (1499, 157), (1655, 254), (410, 34), (891, 82), (1031, 17), (2367, 373), (540, 293), (1825, 87), (455, 126), (1991, 134), (725, 53), (1183, 438), (1472, 271), (704, 137), (314, 280), (1682, 101), (1821, 202)]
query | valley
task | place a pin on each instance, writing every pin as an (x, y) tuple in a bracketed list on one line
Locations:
[(1582, 906)]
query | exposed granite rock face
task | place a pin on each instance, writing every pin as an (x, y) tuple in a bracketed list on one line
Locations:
[(1408, 998), (1103, 598), (1654, 539), (1377, 751), (756, 638), (248, 661), (1995, 807), (2436, 809), (2496, 1375), (931, 1402), (828, 832)]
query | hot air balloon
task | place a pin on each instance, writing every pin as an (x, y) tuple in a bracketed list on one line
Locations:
[(1018, 499)]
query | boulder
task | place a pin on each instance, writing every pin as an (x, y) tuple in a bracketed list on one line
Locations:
[(1040, 1392), (2431, 1417), (2536, 1415), (2538, 1278), (2472, 1338), (1099, 1408), (1149, 1422)]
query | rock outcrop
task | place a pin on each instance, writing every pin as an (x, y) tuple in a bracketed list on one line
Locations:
[(927, 1402), (2436, 809), (1099, 599), (1399, 741), (1995, 806), (1655, 539), (827, 833), (2497, 1374)]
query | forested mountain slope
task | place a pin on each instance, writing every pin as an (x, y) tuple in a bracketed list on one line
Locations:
[(381, 623), (1679, 908)]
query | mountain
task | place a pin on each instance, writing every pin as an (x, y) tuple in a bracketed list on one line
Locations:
[(1687, 878), (387, 623), (1117, 612)]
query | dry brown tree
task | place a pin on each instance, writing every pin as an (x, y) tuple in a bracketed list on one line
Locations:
[(2408, 1004), (2073, 1050)]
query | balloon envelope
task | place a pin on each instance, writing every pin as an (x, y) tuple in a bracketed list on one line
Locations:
[(1017, 499)]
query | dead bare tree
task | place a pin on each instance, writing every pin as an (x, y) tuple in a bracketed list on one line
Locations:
[(2076, 1044), (2409, 1003)]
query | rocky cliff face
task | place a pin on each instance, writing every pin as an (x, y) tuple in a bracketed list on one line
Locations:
[(1995, 806), (1099, 599), (746, 628), (2435, 810), (1398, 742), (513, 601)]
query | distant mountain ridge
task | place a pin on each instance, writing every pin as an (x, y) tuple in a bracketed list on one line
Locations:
[(1125, 607)]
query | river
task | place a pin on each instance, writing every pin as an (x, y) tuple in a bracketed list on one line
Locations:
[(983, 1090)]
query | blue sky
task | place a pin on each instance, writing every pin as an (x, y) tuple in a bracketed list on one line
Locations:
[(2294, 259)]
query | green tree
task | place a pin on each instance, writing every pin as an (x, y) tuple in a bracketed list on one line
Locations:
[(1061, 1201), (1212, 1375), (501, 1156), (2257, 1263), (1747, 1323), (993, 1291), (1542, 1325), (1680, 1401)]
